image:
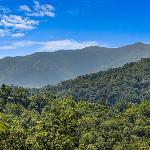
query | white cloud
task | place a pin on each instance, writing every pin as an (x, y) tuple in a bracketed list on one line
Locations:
[(14, 25), (25, 8), (7, 47), (26, 43), (50, 46), (18, 35), (4, 32), (18, 44), (4, 10), (38, 10), (18, 22), (7, 32), (66, 45)]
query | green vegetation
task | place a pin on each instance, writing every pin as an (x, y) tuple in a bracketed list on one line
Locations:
[(130, 83), (41, 122), (108, 110)]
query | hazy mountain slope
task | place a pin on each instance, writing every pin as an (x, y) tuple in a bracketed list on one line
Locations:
[(44, 68), (128, 83)]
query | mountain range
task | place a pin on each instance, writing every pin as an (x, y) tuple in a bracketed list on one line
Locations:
[(42, 68), (130, 83)]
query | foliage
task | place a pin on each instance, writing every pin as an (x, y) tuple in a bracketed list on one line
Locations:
[(130, 83), (42, 122)]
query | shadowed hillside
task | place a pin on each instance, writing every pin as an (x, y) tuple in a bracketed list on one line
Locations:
[(130, 83), (44, 68)]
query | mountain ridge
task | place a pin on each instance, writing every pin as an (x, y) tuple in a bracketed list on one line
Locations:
[(86, 48), (42, 68), (129, 83)]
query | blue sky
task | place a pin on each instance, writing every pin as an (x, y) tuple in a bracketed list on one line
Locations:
[(28, 26)]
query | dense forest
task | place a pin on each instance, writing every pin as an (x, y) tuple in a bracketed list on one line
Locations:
[(41, 122), (109, 110), (130, 83)]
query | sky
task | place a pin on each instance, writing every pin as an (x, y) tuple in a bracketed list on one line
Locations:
[(29, 26)]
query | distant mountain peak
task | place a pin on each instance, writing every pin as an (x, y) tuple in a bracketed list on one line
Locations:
[(136, 45), (43, 68), (139, 44)]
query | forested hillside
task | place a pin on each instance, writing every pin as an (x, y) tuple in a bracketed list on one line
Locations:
[(44, 68), (130, 83), (108, 110), (41, 122)]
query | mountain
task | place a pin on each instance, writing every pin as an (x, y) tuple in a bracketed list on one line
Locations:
[(44, 68), (130, 83)]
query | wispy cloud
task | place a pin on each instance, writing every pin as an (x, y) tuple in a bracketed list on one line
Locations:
[(25, 43), (4, 10), (18, 35), (38, 10), (7, 47), (66, 45), (25, 8), (50, 46), (18, 22), (4, 32), (14, 25)]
